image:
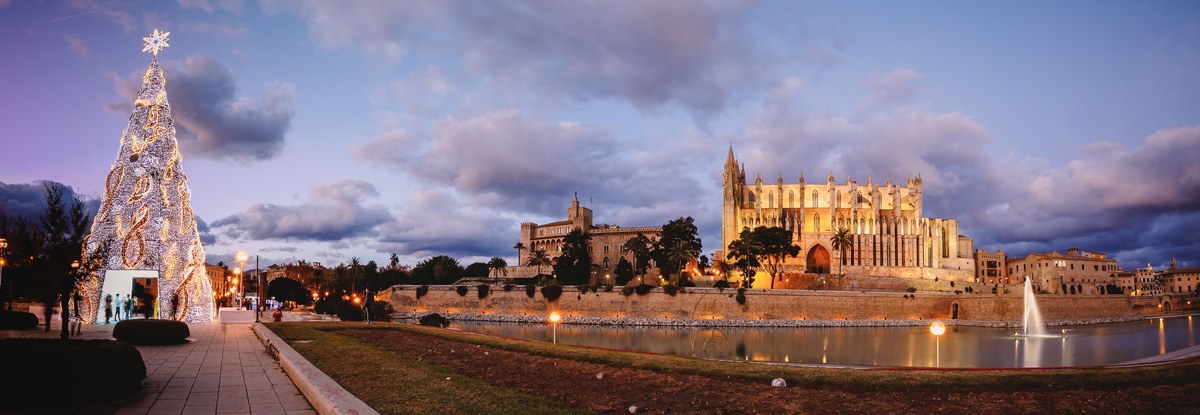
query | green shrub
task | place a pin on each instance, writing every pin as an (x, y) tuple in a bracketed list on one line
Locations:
[(721, 284), (328, 305), (508, 287), (530, 289), (17, 320), (551, 292), (643, 289), (627, 290), (434, 320), (42, 373), (912, 289), (688, 283), (951, 284), (348, 311), (422, 290), (381, 311), (608, 288), (741, 296), (483, 290), (671, 290), (151, 332), (462, 290)]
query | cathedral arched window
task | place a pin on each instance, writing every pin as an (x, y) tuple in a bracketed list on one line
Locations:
[(606, 262), (750, 199), (771, 200), (839, 199), (817, 222), (841, 222), (816, 199), (859, 200), (791, 200)]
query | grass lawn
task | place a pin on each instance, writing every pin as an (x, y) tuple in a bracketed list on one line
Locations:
[(397, 384)]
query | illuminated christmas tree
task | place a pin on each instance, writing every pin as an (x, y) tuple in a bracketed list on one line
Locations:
[(145, 219)]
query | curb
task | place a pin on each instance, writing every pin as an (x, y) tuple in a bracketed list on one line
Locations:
[(325, 395)]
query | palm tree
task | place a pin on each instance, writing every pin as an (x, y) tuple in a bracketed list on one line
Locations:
[(537, 258), (841, 241), (498, 265), (355, 272), (520, 246), (678, 257), (395, 260)]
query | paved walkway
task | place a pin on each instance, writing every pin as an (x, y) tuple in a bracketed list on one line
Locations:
[(224, 369)]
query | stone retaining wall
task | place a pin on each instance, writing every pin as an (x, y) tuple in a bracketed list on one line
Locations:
[(712, 303)]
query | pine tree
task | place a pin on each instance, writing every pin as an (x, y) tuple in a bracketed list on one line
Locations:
[(145, 213)]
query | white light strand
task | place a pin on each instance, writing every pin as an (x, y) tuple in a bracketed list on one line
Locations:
[(145, 213)]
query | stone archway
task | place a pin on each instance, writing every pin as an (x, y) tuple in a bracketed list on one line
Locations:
[(818, 260), (1166, 306)]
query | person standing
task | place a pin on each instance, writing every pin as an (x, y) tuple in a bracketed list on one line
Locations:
[(77, 322), (108, 300), (128, 303), (117, 308)]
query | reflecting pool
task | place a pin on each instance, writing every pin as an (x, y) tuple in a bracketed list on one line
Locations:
[(959, 346)]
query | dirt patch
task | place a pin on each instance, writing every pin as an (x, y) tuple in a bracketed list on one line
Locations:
[(576, 383)]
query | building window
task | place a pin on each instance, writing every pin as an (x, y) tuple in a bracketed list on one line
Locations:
[(791, 200), (605, 248), (816, 223), (771, 200), (816, 198), (606, 262)]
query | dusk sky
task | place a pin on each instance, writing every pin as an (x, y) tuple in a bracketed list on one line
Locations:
[(322, 130)]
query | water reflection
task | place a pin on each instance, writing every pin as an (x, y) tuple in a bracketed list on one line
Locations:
[(1091, 345)]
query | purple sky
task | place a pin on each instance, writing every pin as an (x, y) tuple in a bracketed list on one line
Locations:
[(322, 130)]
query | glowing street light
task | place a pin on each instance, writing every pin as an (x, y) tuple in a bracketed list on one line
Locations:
[(937, 328), (241, 259), (554, 317), (3, 246)]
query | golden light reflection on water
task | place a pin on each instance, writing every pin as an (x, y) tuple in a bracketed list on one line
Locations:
[(886, 346)]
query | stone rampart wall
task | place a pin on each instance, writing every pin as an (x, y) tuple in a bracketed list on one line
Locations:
[(709, 303)]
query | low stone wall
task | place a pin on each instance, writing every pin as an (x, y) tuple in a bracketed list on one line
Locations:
[(712, 303)]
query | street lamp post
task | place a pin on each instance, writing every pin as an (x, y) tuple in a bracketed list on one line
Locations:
[(554, 317), (937, 328), (241, 259)]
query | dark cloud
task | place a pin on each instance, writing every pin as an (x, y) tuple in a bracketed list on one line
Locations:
[(698, 55), (509, 161), (335, 212), (206, 236), (29, 200), (438, 223), (211, 120)]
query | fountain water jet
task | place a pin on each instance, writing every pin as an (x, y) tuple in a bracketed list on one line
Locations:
[(1032, 323)]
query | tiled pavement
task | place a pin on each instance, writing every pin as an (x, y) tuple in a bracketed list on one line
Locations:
[(224, 369)]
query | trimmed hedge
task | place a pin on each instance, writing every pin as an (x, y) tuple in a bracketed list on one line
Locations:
[(530, 289), (552, 292), (17, 320), (741, 296), (643, 289), (42, 373), (348, 311), (434, 320), (462, 290), (151, 332), (422, 290), (483, 290), (381, 310)]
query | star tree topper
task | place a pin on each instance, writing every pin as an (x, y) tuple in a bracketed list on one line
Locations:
[(156, 42)]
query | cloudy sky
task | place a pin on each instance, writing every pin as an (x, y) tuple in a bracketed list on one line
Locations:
[(322, 130)]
